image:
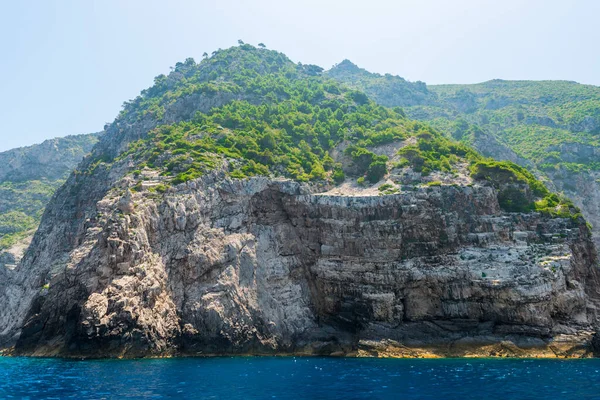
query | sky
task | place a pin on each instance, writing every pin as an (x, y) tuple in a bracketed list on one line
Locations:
[(67, 66)]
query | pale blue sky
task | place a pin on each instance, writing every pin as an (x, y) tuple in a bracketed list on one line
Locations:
[(67, 66)]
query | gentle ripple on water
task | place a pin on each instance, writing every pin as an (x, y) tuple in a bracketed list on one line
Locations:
[(299, 378)]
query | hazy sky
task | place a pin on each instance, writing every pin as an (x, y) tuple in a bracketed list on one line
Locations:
[(67, 66)]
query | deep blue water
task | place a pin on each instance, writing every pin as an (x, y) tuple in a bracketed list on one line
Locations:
[(300, 378)]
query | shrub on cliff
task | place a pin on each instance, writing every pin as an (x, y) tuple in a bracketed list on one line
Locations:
[(376, 171), (504, 172), (433, 152)]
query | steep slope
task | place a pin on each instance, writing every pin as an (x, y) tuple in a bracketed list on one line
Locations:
[(246, 204), (29, 177), (551, 127)]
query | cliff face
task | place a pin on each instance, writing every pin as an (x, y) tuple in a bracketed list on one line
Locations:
[(584, 188), (264, 266)]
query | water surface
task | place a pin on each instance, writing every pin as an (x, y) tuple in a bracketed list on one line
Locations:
[(299, 378)]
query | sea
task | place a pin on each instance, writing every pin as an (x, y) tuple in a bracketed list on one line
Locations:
[(299, 378)]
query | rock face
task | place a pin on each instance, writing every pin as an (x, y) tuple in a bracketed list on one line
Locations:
[(581, 185), (261, 266)]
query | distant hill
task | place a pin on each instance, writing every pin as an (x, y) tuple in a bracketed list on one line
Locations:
[(29, 176), (387, 90)]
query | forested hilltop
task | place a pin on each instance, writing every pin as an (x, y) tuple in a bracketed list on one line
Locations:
[(550, 127), (29, 176)]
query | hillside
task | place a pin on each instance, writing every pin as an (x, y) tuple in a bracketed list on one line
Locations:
[(534, 118), (388, 90), (550, 127), (246, 204), (29, 176)]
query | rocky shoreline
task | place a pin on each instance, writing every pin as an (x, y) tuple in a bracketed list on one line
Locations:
[(568, 348)]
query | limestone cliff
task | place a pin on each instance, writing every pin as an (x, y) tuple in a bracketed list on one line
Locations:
[(262, 266)]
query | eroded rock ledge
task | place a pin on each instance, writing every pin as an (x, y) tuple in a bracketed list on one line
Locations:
[(260, 266)]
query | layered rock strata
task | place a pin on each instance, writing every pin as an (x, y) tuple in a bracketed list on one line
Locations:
[(263, 266)]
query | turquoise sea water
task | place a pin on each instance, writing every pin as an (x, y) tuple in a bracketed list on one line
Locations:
[(299, 378)]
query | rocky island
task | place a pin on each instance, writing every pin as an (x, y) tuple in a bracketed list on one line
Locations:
[(250, 205)]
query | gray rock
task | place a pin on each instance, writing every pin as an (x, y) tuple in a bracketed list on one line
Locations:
[(264, 266)]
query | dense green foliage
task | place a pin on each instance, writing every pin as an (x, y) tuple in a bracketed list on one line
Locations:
[(534, 119), (367, 162), (278, 118), (518, 188), (13, 226), (550, 125), (506, 172), (285, 121), (433, 152)]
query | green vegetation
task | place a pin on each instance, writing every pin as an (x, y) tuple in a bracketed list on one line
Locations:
[(338, 175), (367, 162), (506, 172), (290, 138), (518, 189), (25, 191), (15, 226), (23, 204), (516, 186), (276, 118), (391, 90), (534, 119), (545, 123), (284, 119), (433, 152), (387, 188)]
